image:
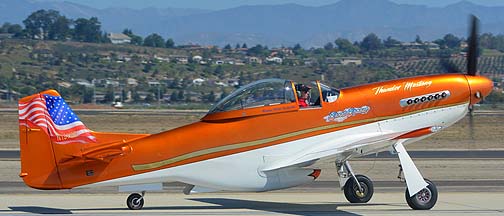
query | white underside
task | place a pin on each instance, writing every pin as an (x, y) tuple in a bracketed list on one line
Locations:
[(260, 169)]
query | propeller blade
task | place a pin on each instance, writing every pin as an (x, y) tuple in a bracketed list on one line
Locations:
[(472, 54), (449, 66)]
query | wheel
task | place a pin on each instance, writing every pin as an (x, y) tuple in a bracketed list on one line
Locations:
[(352, 193), (424, 199), (135, 201)]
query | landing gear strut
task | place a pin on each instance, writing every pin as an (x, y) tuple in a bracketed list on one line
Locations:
[(357, 188), (425, 192), (135, 201)]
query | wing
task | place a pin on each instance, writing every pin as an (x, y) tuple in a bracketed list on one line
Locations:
[(343, 147)]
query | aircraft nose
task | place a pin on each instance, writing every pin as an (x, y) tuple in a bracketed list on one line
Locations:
[(480, 87)]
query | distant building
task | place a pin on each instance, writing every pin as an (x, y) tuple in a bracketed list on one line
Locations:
[(309, 61), (180, 59), (277, 60), (252, 60), (8, 95), (333, 61), (431, 46), (132, 82), (6, 36), (119, 38), (153, 83), (161, 58), (351, 61), (83, 82), (197, 58), (198, 81)]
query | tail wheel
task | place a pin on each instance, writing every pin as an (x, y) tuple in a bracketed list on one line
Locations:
[(135, 201), (424, 199), (352, 192)]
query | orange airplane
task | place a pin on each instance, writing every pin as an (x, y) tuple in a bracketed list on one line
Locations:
[(262, 137)]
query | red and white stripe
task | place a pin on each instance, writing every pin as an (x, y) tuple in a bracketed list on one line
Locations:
[(34, 113)]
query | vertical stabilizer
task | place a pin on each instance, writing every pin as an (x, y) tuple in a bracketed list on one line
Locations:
[(46, 120)]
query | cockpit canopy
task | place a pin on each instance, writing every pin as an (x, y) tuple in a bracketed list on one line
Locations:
[(269, 96), (256, 94)]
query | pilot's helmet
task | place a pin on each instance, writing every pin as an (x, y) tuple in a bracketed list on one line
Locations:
[(302, 87)]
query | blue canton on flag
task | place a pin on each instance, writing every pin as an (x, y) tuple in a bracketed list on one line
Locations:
[(59, 111)]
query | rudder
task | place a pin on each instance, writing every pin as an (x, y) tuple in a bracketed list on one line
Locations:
[(46, 120)]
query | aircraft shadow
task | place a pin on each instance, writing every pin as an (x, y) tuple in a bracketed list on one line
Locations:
[(39, 210), (309, 209)]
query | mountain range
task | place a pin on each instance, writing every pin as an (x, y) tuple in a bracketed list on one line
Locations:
[(276, 25)]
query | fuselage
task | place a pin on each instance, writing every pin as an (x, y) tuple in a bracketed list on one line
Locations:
[(260, 148)]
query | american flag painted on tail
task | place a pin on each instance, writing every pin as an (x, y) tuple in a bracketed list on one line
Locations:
[(53, 114)]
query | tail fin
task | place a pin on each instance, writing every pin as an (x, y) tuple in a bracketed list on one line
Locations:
[(58, 151), (45, 119)]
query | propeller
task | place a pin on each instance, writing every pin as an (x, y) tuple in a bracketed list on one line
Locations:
[(472, 54)]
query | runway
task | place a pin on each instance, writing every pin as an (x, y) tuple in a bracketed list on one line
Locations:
[(470, 182), (446, 154), (270, 203)]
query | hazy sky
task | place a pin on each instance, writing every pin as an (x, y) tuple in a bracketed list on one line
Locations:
[(222, 4)]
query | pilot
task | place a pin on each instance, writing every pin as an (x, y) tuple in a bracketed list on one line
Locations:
[(303, 92)]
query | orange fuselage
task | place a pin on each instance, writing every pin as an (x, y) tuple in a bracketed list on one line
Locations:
[(225, 133)]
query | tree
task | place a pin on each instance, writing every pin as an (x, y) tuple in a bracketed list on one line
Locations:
[(135, 39), (418, 40), (227, 47), (237, 46), (391, 42), (173, 97), (39, 23), (451, 41), (136, 96), (88, 95), (371, 42), (297, 47), (127, 32), (109, 95), (218, 70), (346, 46), (180, 95), (15, 29), (149, 98), (329, 46), (88, 30), (170, 43), (154, 40), (4, 27), (244, 46), (257, 50), (11, 28), (60, 29), (210, 97)]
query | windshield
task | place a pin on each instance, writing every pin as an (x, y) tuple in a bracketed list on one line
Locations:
[(260, 93), (329, 94)]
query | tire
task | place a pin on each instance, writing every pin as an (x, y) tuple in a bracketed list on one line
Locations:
[(135, 201), (425, 199), (352, 193)]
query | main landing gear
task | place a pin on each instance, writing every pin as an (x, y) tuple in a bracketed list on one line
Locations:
[(357, 188), (135, 201), (424, 192), (425, 199)]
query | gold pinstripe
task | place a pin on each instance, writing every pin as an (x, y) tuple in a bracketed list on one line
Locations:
[(141, 167)]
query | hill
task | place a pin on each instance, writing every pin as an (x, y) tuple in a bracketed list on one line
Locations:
[(277, 25), (102, 73)]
